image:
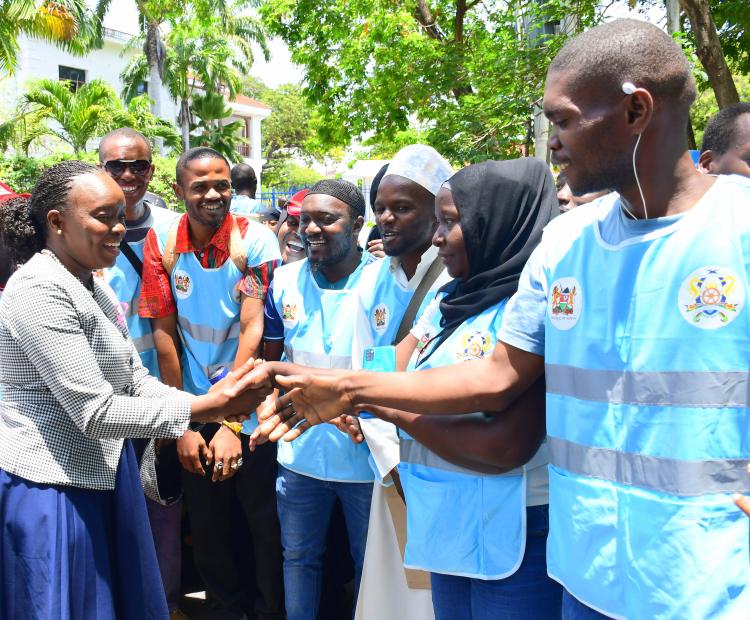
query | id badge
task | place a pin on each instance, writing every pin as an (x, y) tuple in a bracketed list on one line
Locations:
[(378, 359)]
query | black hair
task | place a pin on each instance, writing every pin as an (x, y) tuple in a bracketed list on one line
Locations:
[(344, 191), (198, 152), (24, 222), (720, 130), (244, 179), (628, 50), (124, 132)]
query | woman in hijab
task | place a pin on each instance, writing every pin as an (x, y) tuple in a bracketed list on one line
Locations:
[(476, 485)]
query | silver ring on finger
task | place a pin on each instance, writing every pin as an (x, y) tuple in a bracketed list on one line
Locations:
[(220, 465), (235, 466)]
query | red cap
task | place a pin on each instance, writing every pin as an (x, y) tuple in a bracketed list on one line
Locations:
[(7, 193), (294, 206)]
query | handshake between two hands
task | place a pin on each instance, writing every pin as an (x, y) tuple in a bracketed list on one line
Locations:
[(313, 396)]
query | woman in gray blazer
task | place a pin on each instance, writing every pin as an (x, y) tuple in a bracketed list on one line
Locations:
[(74, 534)]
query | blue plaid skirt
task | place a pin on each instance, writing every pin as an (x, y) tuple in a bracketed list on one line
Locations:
[(77, 554)]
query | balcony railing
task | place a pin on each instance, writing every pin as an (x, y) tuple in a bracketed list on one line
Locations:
[(243, 149)]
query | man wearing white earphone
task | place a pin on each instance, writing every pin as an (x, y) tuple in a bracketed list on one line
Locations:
[(633, 309)]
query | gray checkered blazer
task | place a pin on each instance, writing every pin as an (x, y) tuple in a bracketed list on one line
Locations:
[(73, 384)]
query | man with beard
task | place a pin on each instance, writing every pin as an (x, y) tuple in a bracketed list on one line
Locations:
[(205, 279), (633, 309), (309, 311)]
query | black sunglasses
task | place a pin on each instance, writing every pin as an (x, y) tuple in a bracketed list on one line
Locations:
[(116, 167)]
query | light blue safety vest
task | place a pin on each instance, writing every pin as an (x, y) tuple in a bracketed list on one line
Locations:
[(126, 283), (208, 306), (459, 521), (318, 332), (384, 301), (647, 350)]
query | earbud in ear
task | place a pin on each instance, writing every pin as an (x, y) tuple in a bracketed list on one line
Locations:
[(628, 88)]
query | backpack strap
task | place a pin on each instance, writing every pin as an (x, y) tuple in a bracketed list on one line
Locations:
[(237, 252), (432, 273), (169, 255)]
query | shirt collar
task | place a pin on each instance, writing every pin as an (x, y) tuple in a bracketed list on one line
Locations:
[(424, 264), (220, 239)]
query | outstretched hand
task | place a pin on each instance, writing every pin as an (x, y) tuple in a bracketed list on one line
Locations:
[(312, 399)]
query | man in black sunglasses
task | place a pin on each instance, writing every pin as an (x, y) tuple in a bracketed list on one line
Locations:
[(125, 155)]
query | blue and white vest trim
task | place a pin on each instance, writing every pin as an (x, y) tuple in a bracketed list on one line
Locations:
[(318, 333), (648, 412)]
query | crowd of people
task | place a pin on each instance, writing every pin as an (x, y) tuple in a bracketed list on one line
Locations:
[(515, 414)]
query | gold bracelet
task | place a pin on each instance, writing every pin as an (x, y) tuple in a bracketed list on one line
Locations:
[(235, 427)]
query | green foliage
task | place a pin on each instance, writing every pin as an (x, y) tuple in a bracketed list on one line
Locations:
[(70, 24), (73, 117), (705, 106), (210, 109), (285, 174), (138, 116), (51, 108), (732, 18), (470, 71), (21, 173)]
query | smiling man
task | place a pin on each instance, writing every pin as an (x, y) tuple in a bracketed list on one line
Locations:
[(633, 307), (204, 283), (309, 312)]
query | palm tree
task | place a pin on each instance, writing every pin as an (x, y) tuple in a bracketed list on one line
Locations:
[(77, 116), (207, 47), (210, 110), (71, 24)]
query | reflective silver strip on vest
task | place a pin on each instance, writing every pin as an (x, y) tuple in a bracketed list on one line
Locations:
[(678, 389), (317, 360), (415, 453), (673, 476), (144, 343), (206, 333)]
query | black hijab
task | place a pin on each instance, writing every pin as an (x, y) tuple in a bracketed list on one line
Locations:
[(504, 206)]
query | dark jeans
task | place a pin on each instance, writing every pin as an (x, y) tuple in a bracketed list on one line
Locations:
[(218, 556), (573, 609), (305, 505), (527, 594)]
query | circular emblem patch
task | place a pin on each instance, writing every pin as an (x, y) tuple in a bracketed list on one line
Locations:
[(289, 311), (711, 297), (380, 317), (474, 345), (565, 303), (183, 285)]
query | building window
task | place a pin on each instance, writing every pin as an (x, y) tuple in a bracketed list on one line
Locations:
[(76, 77), (142, 88)]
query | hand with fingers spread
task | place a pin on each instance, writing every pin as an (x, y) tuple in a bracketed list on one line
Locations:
[(312, 399)]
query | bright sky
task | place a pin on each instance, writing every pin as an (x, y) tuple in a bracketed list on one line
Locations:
[(123, 16)]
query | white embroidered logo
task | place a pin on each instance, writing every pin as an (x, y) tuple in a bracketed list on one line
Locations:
[(711, 297), (565, 303), (183, 284), (380, 316)]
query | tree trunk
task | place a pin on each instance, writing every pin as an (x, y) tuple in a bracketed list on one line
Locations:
[(185, 123), (155, 55), (709, 51)]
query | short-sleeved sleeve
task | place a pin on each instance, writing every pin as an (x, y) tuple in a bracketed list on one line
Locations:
[(273, 326), (263, 256), (524, 318), (156, 300), (426, 317)]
